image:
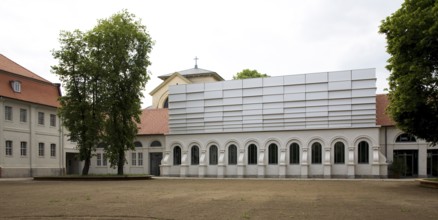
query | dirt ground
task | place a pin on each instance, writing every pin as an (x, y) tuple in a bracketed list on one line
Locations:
[(217, 199)]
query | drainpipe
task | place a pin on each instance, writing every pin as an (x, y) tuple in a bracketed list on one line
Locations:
[(386, 143)]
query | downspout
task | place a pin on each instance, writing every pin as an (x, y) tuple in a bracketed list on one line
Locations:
[(386, 143)]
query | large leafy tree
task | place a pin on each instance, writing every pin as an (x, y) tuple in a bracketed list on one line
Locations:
[(121, 46), (104, 71), (412, 37), (247, 73), (81, 107)]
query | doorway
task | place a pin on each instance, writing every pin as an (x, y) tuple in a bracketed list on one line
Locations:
[(155, 162), (410, 160), (432, 163), (72, 163)]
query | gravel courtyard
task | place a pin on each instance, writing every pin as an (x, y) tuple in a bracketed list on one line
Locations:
[(217, 199)]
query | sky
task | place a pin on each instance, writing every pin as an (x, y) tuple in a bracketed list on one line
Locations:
[(276, 37)]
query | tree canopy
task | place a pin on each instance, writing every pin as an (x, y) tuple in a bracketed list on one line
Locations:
[(412, 38), (247, 73), (103, 72)]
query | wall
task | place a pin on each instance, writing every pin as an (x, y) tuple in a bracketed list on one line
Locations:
[(344, 99)]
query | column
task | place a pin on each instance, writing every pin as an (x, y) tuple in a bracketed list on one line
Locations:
[(184, 164), (261, 164), (282, 163), (221, 164), (165, 166), (202, 164), (327, 163), (240, 164), (304, 163), (350, 164), (375, 166)]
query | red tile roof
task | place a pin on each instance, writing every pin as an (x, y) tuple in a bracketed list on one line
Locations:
[(154, 121), (381, 117), (8, 65), (34, 89)]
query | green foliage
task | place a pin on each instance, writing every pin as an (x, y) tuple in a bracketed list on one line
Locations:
[(412, 37), (103, 72), (247, 74)]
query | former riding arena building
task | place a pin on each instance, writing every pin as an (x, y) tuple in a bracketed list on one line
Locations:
[(316, 125)]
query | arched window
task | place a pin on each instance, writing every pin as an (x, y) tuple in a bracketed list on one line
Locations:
[(232, 155), (252, 154), (156, 144), (294, 153), (138, 144), (363, 150), (316, 153), (166, 103), (339, 153), (405, 137), (195, 155), (177, 155), (273, 154), (213, 155)]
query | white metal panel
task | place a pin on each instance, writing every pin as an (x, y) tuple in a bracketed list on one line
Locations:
[(251, 83), (252, 91), (316, 77), (364, 92), (317, 87), (177, 89), (363, 74), (273, 105), (273, 81), (363, 84), (214, 86), (294, 79), (232, 84), (213, 94), (253, 99), (316, 95), (233, 101), (195, 96), (339, 76), (272, 98), (197, 87), (340, 94), (295, 88), (339, 85), (252, 106), (295, 97), (232, 93), (272, 90)]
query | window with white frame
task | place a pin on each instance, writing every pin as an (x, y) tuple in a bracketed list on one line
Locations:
[(53, 150), (294, 153), (140, 159), (252, 154), (8, 113), (232, 155), (104, 160), (23, 115), (41, 118), (52, 120), (134, 159), (98, 159), (23, 148), (41, 149), (363, 152), (273, 154), (213, 155), (316, 153), (8, 148), (16, 86)]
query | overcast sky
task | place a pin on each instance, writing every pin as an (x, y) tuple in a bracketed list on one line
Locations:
[(274, 37)]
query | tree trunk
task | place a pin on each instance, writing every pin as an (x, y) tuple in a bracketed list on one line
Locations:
[(121, 162), (86, 167)]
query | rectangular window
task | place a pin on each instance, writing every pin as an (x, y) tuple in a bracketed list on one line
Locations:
[(99, 160), (8, 148), (23, 148), (133, 159), (23, 115), (53, 150), (104, 160), (232, 155), (140, 159), (8, 113), (41, 149), (41, 118), (52, 120)]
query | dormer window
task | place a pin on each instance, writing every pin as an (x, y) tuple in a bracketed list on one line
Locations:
[(16, 86)]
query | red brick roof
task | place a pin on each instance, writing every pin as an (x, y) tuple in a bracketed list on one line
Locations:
[(34, 88), (381, 117), (10, 66), (154, 121)]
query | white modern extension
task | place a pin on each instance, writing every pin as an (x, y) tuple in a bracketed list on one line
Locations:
[(307, 125)]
